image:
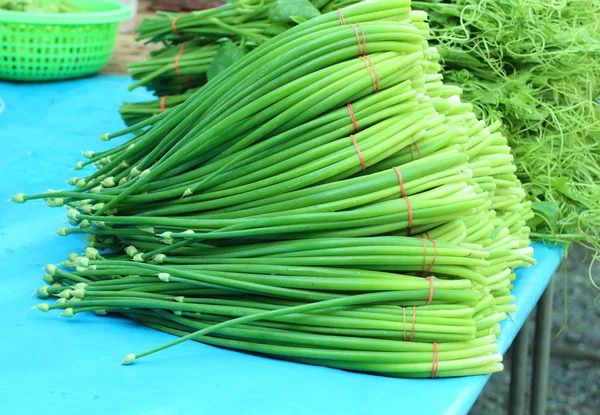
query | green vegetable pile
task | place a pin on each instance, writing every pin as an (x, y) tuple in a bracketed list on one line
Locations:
[(535, 66), (325, 199), (532, 65), (38, 6), (199, 45)]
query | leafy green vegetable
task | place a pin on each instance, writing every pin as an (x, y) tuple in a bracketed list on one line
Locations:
[(228, 54), (535, 66), (547, 213), (284, 11), (319, 4)]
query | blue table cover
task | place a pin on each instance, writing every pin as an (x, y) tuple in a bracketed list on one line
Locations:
[(54, 365)]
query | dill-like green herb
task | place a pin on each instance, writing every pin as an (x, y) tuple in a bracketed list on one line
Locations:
[(536, 67)]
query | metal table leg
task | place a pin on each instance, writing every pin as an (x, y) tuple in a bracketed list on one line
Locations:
[(518, 372), (541, 352)]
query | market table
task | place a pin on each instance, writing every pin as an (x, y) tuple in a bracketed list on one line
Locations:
[(58, 366)]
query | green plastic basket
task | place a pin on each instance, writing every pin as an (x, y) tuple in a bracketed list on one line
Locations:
[(51, 46)]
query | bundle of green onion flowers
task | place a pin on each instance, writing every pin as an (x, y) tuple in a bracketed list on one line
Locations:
[(325, 199), (199, 45)]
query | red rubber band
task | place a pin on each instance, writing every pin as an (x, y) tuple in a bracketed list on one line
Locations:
[(341, 16), (435, 362), (404, 323), (360, 156), (174, 26), (372, 72), (162, 103), (414, 317), (188, 84), (431, 290), (362, 50), (178, 57), (353, 118)]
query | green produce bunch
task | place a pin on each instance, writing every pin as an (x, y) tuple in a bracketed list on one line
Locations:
[(325, 199), (534, 66), (199, 45)]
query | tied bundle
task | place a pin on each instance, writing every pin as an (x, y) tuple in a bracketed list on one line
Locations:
[(326, 199), (199, 45)]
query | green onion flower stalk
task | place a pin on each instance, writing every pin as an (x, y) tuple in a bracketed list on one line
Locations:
[(325, 199)]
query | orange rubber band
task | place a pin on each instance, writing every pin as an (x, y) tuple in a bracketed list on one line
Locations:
[(174, 26), (434, 243), (178, 57), (372, 72), (414, 317), (188, 84), (341, 16), (405, 197), (402, 192), (434, 252), (364, 58), (162, 103), (412, 156), (431, 290), (418, 149), (377, 79), (424, 255), (410, 215), (362, 50), (404, 323), (360, 156), (353, 118), (435, 362), (364, 37)]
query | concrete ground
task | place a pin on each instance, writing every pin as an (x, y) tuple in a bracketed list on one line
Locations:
[(574, 383)]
